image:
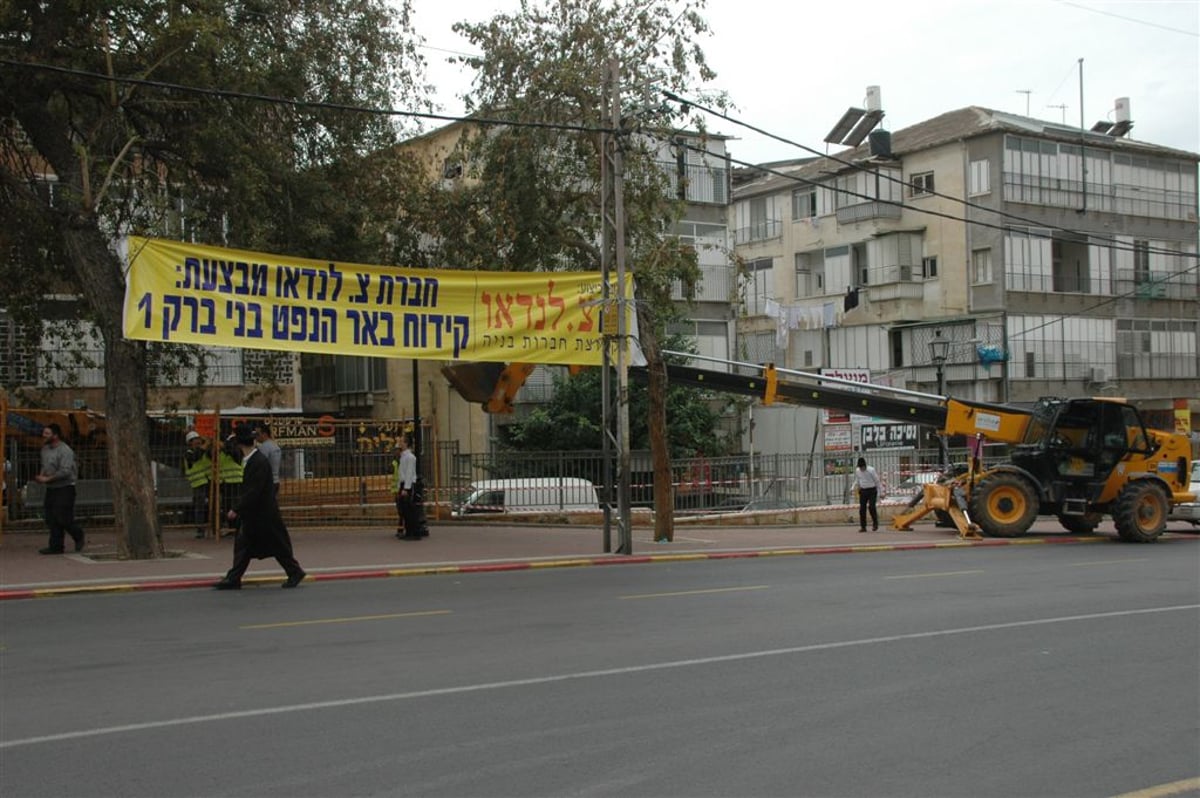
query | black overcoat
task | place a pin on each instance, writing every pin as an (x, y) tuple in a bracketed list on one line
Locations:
[(258, 511)]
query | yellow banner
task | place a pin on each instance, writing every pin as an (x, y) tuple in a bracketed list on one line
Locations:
[(188, 293)]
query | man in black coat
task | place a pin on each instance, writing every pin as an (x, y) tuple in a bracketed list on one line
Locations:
[(261, 531)]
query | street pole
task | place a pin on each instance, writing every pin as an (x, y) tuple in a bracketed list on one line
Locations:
[(939, 350)]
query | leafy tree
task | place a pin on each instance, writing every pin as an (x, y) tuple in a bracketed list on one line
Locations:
[(535, 203), (89, 94), (571, 420)]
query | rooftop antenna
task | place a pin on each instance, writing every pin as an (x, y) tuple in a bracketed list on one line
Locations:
[(1062, 107), (1026, 92)]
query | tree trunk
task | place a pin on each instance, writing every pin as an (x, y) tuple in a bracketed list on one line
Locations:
[(135, 514), (660, 450)]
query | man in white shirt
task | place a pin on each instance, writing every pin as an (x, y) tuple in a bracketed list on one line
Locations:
[(867, 480)]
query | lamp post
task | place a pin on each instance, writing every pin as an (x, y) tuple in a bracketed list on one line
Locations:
[(939, 348)]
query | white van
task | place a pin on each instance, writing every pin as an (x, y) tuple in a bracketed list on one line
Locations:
[(531, 494)]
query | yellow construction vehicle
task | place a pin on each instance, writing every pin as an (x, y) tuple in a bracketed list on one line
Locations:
[(1077, 459)]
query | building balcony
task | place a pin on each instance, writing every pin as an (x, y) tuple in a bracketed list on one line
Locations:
[(865, 211)]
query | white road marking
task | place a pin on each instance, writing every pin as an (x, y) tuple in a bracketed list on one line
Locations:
[(352, 619), (936, 573), (695, 592), (566, 677)]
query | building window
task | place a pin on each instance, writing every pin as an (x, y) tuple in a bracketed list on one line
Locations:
[(921, 184), (804, 203), (1141, 262), (759, 285), (981, 178), (810, 273), (929, 268), (981, 266)]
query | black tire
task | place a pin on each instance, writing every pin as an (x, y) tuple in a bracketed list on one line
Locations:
[(1004, 505), (1080, 524), (1141, 511)]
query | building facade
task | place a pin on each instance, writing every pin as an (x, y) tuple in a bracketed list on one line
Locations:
[(985, 256)]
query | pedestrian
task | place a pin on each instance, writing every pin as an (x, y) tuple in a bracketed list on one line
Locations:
[(404, 485), (261, 532), (868, 483), (197, 467), (58, 473), (268, 446)]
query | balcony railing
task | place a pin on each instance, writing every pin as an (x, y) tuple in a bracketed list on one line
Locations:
[(759, 231)]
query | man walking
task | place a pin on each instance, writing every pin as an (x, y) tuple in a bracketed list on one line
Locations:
[(868, 492), (58, 473), (261, 532)]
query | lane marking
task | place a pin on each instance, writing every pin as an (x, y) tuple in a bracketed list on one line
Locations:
[(342, 703), (1106, 562), (935, 573), (1163, 790), (351, 619), (694, 592)]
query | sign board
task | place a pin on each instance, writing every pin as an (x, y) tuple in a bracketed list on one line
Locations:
[(890, 436), (210, 296), (854, 375), (838, 438)]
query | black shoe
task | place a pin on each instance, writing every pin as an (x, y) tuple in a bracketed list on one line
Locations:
[(295, 579), (49, 550), (225, 584), (875, 528), (79, 541), (864, 529), (200, 535), (399, 534)]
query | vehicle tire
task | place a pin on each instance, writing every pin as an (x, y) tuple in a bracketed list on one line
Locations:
[(1080, 524), (1004, 505), (1140, 513)]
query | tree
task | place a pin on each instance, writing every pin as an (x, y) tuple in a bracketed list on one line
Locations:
[(535, 203), (93, 96), (571, 420)]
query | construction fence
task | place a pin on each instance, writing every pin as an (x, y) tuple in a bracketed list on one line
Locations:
[(339, 472)]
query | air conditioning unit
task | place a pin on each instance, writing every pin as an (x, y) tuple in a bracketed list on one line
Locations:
[(1096, 374)]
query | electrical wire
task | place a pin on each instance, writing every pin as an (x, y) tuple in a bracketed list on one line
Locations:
[(305, 104), (859, 167)]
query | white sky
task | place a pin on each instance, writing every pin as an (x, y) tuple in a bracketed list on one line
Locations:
[(794, 72)]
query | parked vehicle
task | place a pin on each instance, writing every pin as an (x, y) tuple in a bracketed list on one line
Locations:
[(1189, 511), (530, 494)]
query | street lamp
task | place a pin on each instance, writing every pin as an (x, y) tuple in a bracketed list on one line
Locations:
[(939, 348)]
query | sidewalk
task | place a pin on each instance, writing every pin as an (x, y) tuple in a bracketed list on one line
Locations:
[(374, 552)]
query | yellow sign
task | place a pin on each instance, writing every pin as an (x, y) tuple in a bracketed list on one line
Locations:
[(187, 293)]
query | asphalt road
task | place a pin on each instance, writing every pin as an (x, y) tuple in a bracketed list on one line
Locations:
[(1015, 671)]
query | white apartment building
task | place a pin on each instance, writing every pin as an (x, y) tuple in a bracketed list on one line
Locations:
[(1053, 262)]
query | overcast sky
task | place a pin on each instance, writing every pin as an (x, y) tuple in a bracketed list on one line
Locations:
[(794, 72)]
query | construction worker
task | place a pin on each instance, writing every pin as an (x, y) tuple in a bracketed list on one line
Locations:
[(229, 475), (197, 467)]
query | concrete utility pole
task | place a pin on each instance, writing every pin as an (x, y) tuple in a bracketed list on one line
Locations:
[(614, 322)]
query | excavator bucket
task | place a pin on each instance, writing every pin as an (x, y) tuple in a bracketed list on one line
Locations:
[(493, 385), (939, 496)]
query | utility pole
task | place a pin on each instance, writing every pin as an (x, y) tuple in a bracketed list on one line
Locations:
[(614, 320), (1026, 92)]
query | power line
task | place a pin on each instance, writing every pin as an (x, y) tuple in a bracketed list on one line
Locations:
[(294, 103), (1129, 19)]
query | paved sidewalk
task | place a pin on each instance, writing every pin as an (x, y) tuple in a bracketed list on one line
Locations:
[(344, 553)]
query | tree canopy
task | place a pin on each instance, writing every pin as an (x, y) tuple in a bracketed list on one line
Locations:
[(225, 122)]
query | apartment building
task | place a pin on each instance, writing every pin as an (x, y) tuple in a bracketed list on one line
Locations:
[(982, 255)]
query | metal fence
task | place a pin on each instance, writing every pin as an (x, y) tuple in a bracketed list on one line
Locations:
[(341, 473)]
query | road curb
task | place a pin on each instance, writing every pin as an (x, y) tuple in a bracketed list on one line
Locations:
[(530, 565)]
